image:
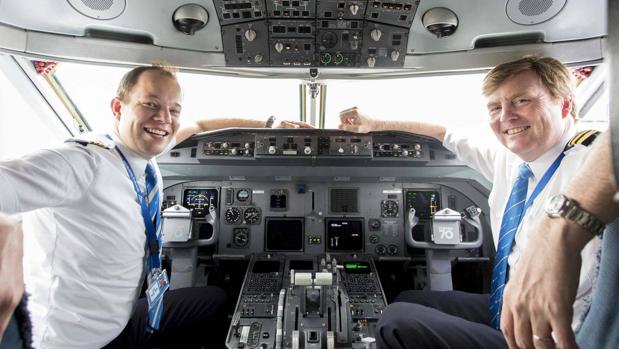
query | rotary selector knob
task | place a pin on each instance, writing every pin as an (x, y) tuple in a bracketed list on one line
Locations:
[(272, 149), (279, 47), (396, 147), (375, 34), (371, 62), (354, 8), (250, 35), (307, 150), (233, 151), (224, 145), (340, 150), (417, 146), (247, 145), (395, 55), (404, 152), (258, 58)]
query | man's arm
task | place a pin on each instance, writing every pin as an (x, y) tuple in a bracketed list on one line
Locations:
[(353, 120), (11, 269), (539, 295), (204, 125)]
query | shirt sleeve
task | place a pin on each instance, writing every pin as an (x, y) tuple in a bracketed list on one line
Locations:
[(48, 178), (478, 151)]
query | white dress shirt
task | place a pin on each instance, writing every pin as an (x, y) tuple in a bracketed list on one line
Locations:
[(84, 240), (500, 166)]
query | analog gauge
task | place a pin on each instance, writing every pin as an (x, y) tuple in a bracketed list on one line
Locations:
[(233, 215), (240, 237), (374, 224), (242, 195), (389, 208), (252, 215)]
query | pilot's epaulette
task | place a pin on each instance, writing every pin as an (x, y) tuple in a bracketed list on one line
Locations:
[(94, 139), (583, 138)]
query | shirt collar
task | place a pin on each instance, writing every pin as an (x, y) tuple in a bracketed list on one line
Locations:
[(541, 164), (138, 163)]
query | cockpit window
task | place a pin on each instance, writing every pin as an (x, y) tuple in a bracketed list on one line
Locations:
[(454, 98)]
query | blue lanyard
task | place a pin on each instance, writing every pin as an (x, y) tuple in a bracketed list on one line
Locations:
[(542, 183), (152, 241)]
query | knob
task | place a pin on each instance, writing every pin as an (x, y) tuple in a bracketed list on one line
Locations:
[(404, 152), (307, 150), (233, 151), (258, 58), (417, 154), (417, 146), (340, 150), (380, 250), (247, 145), (371, 62), (272, 149), (395, 55), (250, 35), (368, 341), (396, 147), (224, 145), (376, 34), (279, 47), (355, 149)]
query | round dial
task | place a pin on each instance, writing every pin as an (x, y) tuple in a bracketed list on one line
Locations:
[(251, 215), (389, 208), (374, 224), (242, 195), (240, 238), (233, 215)]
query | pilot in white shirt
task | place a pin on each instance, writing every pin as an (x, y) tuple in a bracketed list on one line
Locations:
[(84, 233)]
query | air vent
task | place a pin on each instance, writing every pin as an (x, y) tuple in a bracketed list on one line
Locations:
[(530, 12), (344, 200), (99, 9)]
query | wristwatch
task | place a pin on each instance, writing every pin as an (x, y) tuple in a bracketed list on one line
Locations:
[(560, 206), (270, 121)]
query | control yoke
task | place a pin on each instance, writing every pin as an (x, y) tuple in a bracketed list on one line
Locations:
[(177, 225), (446, 235), (446, 231)]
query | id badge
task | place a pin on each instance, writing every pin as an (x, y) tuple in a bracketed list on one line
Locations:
[(157, 285)]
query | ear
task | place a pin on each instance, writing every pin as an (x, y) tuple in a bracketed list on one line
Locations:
[(566, 108), (116, 106)]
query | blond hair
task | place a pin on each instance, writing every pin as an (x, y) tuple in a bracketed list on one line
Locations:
[(554, 75)]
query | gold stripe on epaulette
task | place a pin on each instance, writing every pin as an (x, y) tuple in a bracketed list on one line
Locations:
[(583, 137)]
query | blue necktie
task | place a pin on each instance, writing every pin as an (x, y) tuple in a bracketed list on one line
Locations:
[(153, 260), (511, 220)]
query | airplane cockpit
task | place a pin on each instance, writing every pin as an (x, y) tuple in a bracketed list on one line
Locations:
[(311, 232)]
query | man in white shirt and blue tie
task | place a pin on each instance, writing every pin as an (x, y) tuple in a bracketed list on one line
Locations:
[(92, 231), (532, 113)]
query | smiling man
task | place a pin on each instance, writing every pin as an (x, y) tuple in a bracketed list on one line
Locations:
[(92, 231), (532, 114)]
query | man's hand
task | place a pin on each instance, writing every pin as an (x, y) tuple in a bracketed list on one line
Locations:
[(11, 269), (537, 302), (353, 120), (292, 124)]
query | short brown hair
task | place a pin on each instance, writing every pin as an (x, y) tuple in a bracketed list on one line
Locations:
[(554, 75), (131, 78)]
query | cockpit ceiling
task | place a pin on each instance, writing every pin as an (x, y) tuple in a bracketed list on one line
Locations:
[(284, 38)]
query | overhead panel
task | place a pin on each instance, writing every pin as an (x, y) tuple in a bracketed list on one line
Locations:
[(317, 33)]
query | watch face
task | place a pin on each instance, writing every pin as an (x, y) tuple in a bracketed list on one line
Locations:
[(555, 204)]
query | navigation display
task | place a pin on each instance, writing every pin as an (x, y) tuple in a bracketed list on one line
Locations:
[(284, 234), (344, 234)]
